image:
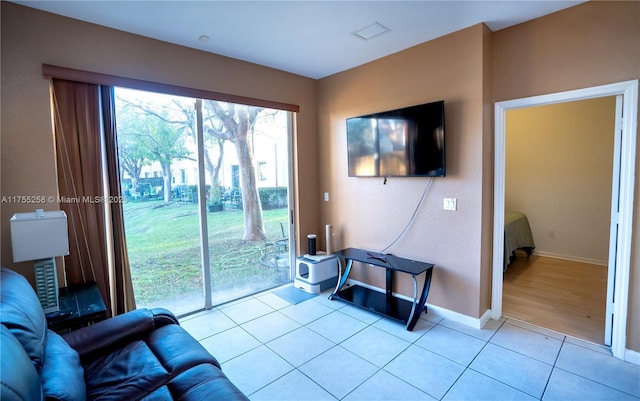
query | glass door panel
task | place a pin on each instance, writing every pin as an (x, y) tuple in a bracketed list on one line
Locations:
[(159, 176), (247, 167)]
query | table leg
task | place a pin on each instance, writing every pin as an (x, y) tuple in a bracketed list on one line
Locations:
[(420, 306), (389, 290), (415, 298), (342, 278)]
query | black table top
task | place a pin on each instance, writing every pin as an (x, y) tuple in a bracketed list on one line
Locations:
[(79, 304), (387, 261)]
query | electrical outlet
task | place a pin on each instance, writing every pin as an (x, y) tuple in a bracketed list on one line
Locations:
[(326, 196), (450, 204)]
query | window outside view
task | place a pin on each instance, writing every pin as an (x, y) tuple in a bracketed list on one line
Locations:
[(246, 175)]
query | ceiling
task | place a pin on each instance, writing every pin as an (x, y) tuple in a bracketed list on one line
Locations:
[(310, 38)]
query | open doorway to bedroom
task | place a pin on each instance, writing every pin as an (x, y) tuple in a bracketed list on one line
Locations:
[(620, 195), (558, 176)]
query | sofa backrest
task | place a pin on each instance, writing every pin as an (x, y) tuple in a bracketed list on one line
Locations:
[(22, 315)]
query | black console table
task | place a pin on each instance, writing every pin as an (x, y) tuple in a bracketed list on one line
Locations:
[(80, 305), (384, 303)]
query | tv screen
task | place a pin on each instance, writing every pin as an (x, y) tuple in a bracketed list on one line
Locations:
[(407, 142)]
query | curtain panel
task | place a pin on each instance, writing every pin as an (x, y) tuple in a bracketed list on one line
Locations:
[(121, 285), (84, 130)]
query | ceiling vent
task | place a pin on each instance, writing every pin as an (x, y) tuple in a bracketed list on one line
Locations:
[(371, 31)]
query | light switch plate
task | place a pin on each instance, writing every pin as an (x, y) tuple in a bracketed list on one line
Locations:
[(450, 204)]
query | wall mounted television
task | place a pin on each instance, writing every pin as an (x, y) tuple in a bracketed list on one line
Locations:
[(407, 142)]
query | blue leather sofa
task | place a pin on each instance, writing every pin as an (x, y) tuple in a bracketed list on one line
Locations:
[(140, 355)]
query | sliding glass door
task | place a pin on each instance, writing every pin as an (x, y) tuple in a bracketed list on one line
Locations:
[(207, 182)]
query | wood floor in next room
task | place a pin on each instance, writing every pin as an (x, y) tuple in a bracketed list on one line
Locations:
[(565, 296)]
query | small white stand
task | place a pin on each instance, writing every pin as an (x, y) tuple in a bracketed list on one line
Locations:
[(316, 273)]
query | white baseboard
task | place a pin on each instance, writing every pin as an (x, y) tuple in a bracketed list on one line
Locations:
[(474, 322), (572, 258), (632, 356)]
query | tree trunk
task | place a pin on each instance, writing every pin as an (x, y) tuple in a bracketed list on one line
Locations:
[(166, 174), (253, 221), (238, 122), (214, 169)]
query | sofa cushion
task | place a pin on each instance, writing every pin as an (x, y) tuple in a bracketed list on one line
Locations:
[(19, 379), (21, 313), (62, 375), (126, 373), (160, 394)]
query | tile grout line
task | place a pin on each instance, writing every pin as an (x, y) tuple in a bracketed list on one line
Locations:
[(468, 366), (381, 368), (604, 384), (553, 367), (335, 345), (296, 368)]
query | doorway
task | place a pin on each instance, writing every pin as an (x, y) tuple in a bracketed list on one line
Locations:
[(622, 199), (559, 169)]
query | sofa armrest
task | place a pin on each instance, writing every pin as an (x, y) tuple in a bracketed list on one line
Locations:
[(110, 333), (163, 317)]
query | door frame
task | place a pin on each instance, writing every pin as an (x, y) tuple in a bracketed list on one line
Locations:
[(629, 91)]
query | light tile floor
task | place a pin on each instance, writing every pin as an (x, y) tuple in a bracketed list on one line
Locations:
[(328, 350)]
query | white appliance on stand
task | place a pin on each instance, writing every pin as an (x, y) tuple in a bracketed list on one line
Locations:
[(316, 273)]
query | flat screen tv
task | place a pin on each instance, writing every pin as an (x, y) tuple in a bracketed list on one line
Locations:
[(407, 142)]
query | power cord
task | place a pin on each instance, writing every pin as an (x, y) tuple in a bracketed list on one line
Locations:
[(413, 216)]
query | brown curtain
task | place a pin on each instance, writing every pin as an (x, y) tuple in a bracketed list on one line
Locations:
[(84, 127)]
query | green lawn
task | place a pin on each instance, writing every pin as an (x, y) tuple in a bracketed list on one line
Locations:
[(163, 242)]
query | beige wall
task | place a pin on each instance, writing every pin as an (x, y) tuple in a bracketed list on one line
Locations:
[(368, 213), (591, 44), (31, 38), (559, 167)]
